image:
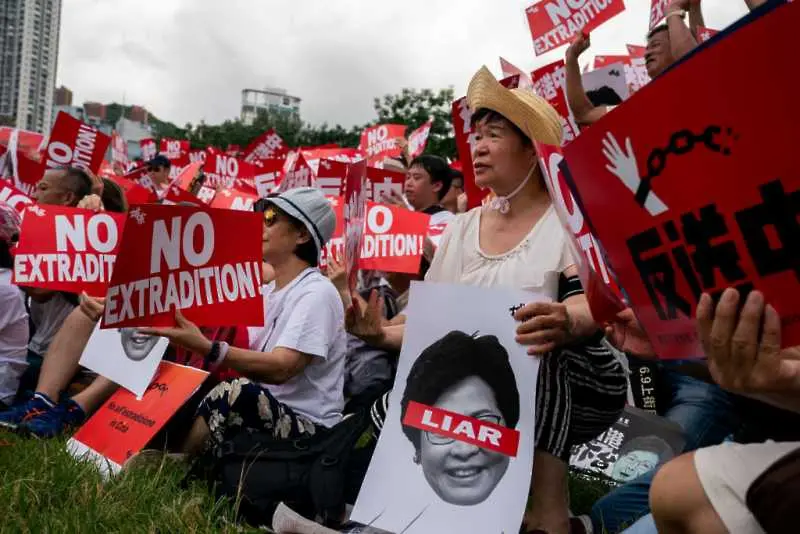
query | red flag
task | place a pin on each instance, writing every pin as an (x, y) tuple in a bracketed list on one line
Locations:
[(554, 23), (67, 249), (75, 144), (636, 50), (658, 192), (184, 257)]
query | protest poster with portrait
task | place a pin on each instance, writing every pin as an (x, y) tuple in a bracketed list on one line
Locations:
[(456, 450), (67, 249), (182, 257), (554, 23), (658, 195), (75, 144), (124, 424)]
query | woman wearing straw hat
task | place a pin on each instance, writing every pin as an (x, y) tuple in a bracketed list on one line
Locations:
[(517, 240)]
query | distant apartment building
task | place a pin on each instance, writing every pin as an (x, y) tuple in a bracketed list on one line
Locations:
[(255, 101), (29, 32), (63, 96)]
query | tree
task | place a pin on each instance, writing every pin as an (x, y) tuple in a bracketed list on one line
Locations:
[(413, 107)]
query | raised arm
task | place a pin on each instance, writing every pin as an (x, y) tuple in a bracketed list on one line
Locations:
[(583, 110), (681, 39)]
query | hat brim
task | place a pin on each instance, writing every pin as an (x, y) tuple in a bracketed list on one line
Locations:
[(293, 211), (529, 112)]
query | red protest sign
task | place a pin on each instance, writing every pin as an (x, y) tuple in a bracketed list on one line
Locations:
[(119, 149), (184, 257), (335, 245), (379, 142), (451, 425), (13, 196), (269, 173), (550, 83), (554, 23), (636, 50), (175, 195), (382, 184), (75, 144), (234, 199), (134, 193), (265, 146), (198, 156), (67, 249), (658, 10), (393, 239), (509, 69), (355, 207), (174, 149), (635, 69), (28, 173), (344, 155), (657, 193), (704, 34), (223, 171), (186, 176), (149, 149), (299, 175), (123, 425), (602, 291), (331, 176), (418, 140)]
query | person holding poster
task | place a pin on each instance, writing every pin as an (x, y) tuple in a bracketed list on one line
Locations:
[(293, 371), (13, 316), (517, 241)]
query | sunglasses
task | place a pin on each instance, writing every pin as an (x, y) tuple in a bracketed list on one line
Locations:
[(270, 216)]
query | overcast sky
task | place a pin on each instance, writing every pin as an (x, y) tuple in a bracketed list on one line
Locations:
[(187, 60)]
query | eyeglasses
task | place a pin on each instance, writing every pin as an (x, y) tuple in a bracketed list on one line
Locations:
[(438, 439), (270, 216)]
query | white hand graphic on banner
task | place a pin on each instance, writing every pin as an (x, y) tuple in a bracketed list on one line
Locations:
[(622, 164)]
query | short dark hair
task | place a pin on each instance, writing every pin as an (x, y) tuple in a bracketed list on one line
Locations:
[(452, 359), (489, 115), (6, 259), (113, 197), (658, 29), (604, 96), (438, 169), (653, 444), (159, 161), (77, 181)]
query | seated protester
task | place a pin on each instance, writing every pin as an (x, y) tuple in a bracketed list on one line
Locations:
[(727, 488), (518, 241), (13, 315), (294, 370)]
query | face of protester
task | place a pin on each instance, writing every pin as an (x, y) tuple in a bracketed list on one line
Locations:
[(421, 192), (658, 56), (159, 175), (52, 190), (501, 157), (633, 465), (461, 473), (279, 237), (135, 344), (450, 200)]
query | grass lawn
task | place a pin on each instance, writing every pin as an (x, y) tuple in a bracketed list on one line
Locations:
[(43, 490)]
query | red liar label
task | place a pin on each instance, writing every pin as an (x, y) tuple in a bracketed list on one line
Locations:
[(483, 434)]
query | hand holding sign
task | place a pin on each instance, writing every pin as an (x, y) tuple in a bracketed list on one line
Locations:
[(186, 334), (579, 45), (545, 326)]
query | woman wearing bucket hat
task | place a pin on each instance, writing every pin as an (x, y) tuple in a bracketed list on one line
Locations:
[(517, 240), (294, 368)]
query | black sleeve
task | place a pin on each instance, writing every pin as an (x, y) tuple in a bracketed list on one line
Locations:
[(568, 287)]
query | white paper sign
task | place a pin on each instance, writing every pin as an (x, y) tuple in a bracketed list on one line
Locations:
[(125, 356), (459, 358), (607, 86)]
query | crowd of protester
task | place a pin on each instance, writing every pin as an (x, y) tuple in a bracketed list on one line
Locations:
[(323, 353)]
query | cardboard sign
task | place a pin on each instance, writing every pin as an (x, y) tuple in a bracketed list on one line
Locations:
[(331, 176), (149, 150), (355, 208), (184, 257), (174, 149), (67, 249), (704, 34), (134, 193), (234, 199), (393, 239), (383, 183), (119, 149), (124, 425), (509, 69), (269, 173), (14, 197), (550, 83), (418, 140), (379, 142), (658, 193), (658, 10), (75, 144), (602, 292), (607, 86), (555, 23), (223, 170), (265, 146)]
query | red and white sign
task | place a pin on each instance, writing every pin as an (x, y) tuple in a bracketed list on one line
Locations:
[(175, 195), (635, 69), (198, 156), (269, 173), (658, 193), (299, 175), (555, 23), (149, 149), (26, 141), (186, 176), (75, 144), (134, 193), (463, 428), (265, 146), (509, 69), (355, 208), (119, 149), (223, 171), (13, 196), (704, 34), (658, 10), (550, 83), (234, 199), (184, 257), (393, 239), (67, 249), (331, 176), (418, 140), (382, 184), (28, 172), (174, 149), (345, 155), (124, 425), (379, 142)]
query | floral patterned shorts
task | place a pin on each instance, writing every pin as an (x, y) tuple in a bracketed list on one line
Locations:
[(239, 405)]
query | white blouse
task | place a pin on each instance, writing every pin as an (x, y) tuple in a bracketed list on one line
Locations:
[(534, 264)]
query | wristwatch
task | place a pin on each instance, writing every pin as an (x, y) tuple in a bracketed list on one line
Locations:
[(215, 357)]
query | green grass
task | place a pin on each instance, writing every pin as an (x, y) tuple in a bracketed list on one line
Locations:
[(44, 490)]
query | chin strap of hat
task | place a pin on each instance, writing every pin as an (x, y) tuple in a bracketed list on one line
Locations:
[(503, 204)]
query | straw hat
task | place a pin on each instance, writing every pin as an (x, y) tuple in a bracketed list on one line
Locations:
[(528, 111)]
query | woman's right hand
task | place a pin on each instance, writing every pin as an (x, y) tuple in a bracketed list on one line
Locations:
[(365, 319)]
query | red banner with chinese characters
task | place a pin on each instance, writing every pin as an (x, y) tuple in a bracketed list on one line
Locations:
[(13, 196), (658, 193), (223, 171), (393, 239), (355, 207), (298, 175), (123, 425), (379, 142), (119, 150), (149, 149), (269, 173), (174, 149), (382, 184), (555, 23), (75, 144), (418, 140), (346, 155), (550, 83), (658, 10), (184, 257), (331, 176), (265, 146), (67, 249), (455, 426)]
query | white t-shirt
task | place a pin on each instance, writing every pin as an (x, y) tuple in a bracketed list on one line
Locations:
[(307, 316), (534, 264), (48, 317), (13, 336)]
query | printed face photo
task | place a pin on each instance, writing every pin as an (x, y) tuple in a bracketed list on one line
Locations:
[(136, 344), (633, 465)]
